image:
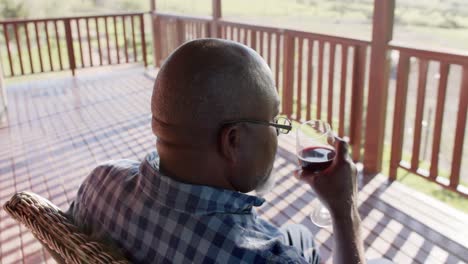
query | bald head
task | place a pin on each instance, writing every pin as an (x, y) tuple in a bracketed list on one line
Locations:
[(208, 81)]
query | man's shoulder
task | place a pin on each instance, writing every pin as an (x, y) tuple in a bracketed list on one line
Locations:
[(113, 170)]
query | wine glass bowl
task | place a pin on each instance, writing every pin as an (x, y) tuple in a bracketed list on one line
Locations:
[(315, 152)]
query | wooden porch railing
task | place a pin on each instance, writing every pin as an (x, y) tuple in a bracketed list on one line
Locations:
[(298, 61), (324, 77), (69, 43), (445, 61)]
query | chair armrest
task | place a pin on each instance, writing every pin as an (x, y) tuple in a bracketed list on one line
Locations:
[(53, 228)]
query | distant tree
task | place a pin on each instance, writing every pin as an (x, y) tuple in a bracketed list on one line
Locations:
[(13, 9)]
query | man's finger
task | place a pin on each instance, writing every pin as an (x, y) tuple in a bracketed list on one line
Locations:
[(341, 147)]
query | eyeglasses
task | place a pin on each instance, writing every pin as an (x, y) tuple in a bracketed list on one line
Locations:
[(282, 124)]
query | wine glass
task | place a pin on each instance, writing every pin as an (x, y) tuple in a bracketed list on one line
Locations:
[(315, 152)]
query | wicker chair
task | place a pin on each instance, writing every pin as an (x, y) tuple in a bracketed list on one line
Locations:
[(57, 233)]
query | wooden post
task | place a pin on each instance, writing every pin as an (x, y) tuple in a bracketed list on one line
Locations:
[(216, 10), (378, 85), (70, 51), (155, 29), (143, 40), (288, 74)]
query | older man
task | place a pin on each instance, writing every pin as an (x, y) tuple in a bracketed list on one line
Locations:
[(214, 109)]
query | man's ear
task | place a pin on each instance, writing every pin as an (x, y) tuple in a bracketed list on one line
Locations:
[(230, 143)]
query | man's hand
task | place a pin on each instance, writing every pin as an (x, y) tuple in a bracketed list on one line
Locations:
[(335, 186), (337, 189)]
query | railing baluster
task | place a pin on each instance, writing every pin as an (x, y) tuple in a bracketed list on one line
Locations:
[(253, 40), (57, 39), (7, 42), (310, 71), (444, 71), (230, 33), (89, 43), (320, 80), (70, 49), (28, 44), (79, 41), (357, 94), (344, 71), (422, 78), (399, 113), (98, 36), (198, 30), (261, 49), (125, 38), (143, 41), (48, 46), (460, 130), (106, 29), (288, 74), (277, 60), (18, 47), (244, 36), (117, 40), (331, 75), (299, 80), (238, 34), (269, 49), (133, 38), (38, 41)]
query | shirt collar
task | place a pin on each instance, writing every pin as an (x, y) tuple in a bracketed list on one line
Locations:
[(194, 199)]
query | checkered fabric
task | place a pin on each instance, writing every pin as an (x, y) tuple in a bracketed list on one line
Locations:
[(155, 219)]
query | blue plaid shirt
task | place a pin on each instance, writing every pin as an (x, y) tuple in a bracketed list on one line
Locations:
[(155, 219)]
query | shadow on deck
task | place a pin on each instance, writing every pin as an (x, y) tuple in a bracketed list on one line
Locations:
[(59, 129)]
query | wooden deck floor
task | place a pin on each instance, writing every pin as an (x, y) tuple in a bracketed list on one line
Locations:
[(60, 128)]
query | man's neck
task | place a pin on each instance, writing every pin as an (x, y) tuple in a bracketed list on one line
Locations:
[(192, 168)]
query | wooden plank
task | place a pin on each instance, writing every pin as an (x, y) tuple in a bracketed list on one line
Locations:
[(320, 80), (117, 41), (343, 80), (261, 49), (382, 32), (277, 59), (244, 36), (106, 30), (288, 74), (125, 38), (18, 47), (460, 130), (310, 72), (48, 46), (28, 44), (133, 38), (90, 51), (399, 114), (423, 67), (38, 42), (331, 77), (143, 40), (7, 42), (98, 36), (442, 91), (299, 80), (269, 39), (70, 50), (357, 97), (253, 41), (57, 39), (79, 41)]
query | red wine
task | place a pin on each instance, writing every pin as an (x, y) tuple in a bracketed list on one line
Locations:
[(316, 159)]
